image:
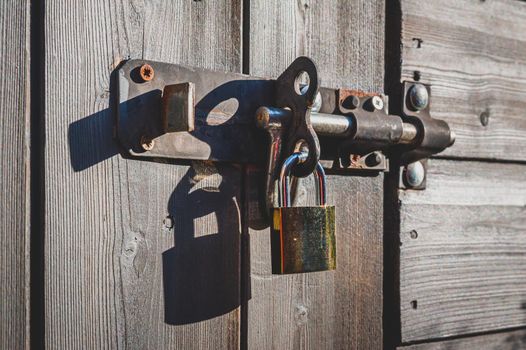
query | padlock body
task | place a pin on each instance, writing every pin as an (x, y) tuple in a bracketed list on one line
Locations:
[(303, 239)]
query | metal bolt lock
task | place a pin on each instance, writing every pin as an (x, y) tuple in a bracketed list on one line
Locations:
[(303, 238)]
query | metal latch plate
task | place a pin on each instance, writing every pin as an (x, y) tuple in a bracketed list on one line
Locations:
[(224, 113)]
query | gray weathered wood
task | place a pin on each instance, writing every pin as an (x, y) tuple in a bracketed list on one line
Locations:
[(109, 259), (14, 181), (474, 54), (463, 250), (339, 309), (500, 341)]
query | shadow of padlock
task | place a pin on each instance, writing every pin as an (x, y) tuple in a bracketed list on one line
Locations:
[(302, 238)]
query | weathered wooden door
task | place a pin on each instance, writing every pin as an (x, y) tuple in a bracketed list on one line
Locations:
[(103, 251)]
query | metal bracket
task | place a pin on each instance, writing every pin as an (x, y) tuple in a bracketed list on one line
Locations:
[(169, 112)]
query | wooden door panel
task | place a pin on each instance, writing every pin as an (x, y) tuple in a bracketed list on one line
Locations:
[(116, 274), (500, 341), (473, 53), (463, 251), (14, 182), (339, 309)]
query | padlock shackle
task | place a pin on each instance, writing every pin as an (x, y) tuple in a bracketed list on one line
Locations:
[(283, 182)]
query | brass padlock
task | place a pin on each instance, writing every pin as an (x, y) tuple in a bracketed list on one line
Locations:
[(303, 238)]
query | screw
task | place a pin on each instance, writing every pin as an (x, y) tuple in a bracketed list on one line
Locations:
[(415, 174), (147, 143), (418, 97), (373, 159), (146, 72), (377, 103), (484, 118), (413, 234)]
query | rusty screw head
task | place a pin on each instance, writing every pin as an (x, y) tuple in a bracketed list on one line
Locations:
[(418, 97), (146, 72), (147, 143)]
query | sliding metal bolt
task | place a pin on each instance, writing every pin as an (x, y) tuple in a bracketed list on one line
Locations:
[(418, 97)]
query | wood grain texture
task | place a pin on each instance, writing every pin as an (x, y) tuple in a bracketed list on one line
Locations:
[(474, 55), (14, 198), (339, 309), (463, 250), (500, 341), (116, 276)]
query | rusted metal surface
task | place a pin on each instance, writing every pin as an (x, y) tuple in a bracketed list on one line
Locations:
[(303, 239), (178, 107), (350, 122), (225, 105)]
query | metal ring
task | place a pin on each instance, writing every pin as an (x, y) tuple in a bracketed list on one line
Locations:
[(283, 182)]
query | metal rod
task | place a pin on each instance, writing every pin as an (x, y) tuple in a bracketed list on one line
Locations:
[(333, 125)]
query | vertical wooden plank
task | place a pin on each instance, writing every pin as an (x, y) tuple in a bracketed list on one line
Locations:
[(117, 273), (14, 200), (339, 309)]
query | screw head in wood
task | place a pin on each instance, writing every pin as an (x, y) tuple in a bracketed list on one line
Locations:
[(418, 97), (415, 174)]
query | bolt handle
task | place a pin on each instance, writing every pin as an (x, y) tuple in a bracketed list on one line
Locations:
[(290, 94)]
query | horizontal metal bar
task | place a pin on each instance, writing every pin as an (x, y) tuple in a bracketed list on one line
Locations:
[(333, 125)]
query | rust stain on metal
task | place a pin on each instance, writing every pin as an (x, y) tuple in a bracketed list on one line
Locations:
[(344, 93), (147, 73)]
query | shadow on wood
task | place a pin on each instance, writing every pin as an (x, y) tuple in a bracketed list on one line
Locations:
[(91, 141), (202, 271)]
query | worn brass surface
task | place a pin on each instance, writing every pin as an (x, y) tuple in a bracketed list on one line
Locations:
[(303, 239)]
